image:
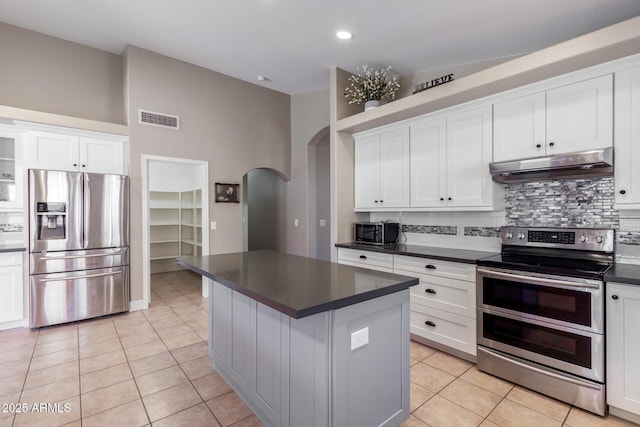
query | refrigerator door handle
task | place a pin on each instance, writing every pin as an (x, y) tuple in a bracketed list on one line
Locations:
[(85, 276), (53, 257)]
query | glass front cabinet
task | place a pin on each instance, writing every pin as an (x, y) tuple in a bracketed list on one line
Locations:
[(11, 173)]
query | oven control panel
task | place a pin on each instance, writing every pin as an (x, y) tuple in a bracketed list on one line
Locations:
[(592, 239)]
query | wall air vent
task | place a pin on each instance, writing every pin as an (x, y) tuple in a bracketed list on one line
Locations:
[(152, 118)]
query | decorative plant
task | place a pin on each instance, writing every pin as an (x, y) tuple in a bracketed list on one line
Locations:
[(372, 85)]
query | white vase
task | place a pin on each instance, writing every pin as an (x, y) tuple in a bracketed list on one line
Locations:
[(369, 105)]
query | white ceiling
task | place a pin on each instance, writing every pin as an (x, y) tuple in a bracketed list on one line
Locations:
[(293, 43)]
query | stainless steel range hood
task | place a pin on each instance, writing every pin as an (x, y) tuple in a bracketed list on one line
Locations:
[(583, 164)]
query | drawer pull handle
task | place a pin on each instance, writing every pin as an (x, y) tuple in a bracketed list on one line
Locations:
[(430, 323), (363, 257), (430, 291), (430, 266), (614, 296)]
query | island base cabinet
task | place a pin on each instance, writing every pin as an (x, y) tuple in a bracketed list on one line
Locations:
[(303, 372), (623, 350)]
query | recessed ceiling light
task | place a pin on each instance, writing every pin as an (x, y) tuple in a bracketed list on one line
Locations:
[(344, 35)]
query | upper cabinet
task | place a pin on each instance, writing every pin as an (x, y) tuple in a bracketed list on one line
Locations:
[(11, 172), (450, 155), (570, 118), (627, 131), (382, 170), (57, 151)]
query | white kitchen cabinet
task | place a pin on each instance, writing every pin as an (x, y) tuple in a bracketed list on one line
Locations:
[(382, 169), (623, 347), (450, 158), (57, 151), (11, 171), (627, 132), (11, 286), (443, 304), (366, 259), (570, 118)]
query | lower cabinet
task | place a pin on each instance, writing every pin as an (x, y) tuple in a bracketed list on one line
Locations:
[(11, 287), (623, 349), (304, 372), (443, 304)]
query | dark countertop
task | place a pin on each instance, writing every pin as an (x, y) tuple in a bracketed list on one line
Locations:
[(295, 285), (445, 254), (623, 273), (19, 247)]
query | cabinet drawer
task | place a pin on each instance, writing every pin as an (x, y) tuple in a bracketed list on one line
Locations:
[(11, 258), (433, 267), (453, 296), (365, 258), (458, 332)]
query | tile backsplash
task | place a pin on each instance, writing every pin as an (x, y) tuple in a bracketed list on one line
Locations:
[(11, 227)]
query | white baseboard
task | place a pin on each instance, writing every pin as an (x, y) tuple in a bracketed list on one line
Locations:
[(22, 323), (138, 304), (625, 415)]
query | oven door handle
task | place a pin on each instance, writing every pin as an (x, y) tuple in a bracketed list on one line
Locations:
[(542, 371), (584, 283)]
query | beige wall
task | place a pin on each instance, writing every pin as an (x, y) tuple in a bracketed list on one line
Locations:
[(235, 125), (44, 73)]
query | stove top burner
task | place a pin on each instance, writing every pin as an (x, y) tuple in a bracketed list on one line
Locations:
[(572, 252)]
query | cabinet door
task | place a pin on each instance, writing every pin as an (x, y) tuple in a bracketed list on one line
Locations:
[(428, 163), (623, 347), (519, 128), (11, 170), (394, 169), (102, 156), (627, 131), (11, 293), (469, 152), (52, 151), (366, 172), (580, 116)]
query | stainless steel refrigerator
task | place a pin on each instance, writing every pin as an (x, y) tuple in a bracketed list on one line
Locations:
[(78, 246)]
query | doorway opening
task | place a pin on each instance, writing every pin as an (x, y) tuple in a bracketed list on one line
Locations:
[(263, 210), (176, 211), (319, 196)]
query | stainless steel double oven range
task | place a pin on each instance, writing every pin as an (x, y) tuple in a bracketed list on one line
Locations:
[(541, 312)]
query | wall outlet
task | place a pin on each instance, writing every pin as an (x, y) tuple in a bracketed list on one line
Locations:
[(359, 338), (214, 225), (295, 222), (323, 223)]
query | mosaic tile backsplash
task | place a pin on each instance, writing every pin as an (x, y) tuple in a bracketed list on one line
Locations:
[(562, 203)]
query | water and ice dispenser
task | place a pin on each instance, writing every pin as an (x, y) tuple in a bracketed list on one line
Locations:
[(51, 220)]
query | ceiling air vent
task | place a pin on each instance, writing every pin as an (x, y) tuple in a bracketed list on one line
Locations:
[(158, 119)]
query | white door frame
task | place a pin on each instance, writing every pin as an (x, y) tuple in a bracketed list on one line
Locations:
[(146, 270)]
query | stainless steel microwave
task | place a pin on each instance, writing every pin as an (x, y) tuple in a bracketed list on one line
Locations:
[(376, 233)]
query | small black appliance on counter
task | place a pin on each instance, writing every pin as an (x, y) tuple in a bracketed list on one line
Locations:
[(376, 233)]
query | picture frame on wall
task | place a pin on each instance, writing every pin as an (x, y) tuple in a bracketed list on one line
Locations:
[(227, 193)]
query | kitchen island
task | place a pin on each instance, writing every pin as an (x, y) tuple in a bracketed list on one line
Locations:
[(307, 342)]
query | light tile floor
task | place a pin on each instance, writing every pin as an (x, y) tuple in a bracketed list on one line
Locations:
[(152, 367)]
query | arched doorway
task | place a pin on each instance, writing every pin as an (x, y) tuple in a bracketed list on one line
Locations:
[(319, 196), (264, 210)]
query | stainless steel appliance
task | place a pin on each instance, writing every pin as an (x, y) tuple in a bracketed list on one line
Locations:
[(541, 312), (78, 246), (376, 233)]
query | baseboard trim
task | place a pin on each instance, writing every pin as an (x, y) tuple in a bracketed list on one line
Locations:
[(625, 415), (14, 324), (137, 305)]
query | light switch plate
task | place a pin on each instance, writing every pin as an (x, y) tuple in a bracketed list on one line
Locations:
[(359, 338), (214, 225), (323, 223)]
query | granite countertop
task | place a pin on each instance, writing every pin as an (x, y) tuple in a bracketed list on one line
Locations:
[(446, 254), (17, 247), (295, 285), (623, 273)]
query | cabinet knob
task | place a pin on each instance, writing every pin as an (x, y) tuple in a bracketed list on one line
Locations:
[(623, 191), (430, 266), (449, 198), (376, 201), (381, 201), (551, 144), (75, 164), (84, 166), (430, 291), (442, 199), (363, 257), (430, 323), (614, 296), (538, 145)]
